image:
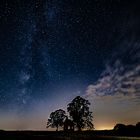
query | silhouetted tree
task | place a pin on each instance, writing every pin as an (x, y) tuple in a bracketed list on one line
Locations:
[(79, 112), (119, 127), (138, 125), (127, 130), (56, 119), (130, 128)]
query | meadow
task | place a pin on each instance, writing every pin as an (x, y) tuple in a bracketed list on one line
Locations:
[(47, 135)]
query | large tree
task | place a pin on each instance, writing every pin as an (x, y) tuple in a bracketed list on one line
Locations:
[(56, 119), (79, 112)]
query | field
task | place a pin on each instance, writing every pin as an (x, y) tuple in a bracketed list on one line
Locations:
[(46, 135)]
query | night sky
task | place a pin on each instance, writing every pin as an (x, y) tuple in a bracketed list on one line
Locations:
[(54, 50)]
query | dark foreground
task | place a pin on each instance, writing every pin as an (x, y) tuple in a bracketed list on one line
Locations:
[(47, 135)]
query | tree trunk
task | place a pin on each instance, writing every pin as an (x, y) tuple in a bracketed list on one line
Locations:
[(79, 128), (57, 128)]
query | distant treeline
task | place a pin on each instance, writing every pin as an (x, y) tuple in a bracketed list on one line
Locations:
[(127, 130)]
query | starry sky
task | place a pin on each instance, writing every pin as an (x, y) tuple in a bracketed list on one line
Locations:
[(54, 50)]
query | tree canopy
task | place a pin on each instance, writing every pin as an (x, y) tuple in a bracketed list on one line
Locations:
[(79, 112), (56, 119)]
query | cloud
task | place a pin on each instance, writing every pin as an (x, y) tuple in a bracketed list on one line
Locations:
[(117, 80)]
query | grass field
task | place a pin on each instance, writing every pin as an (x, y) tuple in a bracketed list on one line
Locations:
[(45, 135)]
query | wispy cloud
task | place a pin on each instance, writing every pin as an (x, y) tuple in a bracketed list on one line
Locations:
[(118, 81)]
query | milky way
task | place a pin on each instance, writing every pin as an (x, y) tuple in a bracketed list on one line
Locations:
[(51, 51)]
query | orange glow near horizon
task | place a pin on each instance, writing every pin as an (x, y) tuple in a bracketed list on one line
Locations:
[(100, 126), (104, 128)]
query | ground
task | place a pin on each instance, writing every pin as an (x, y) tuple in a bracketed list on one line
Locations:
[(46, 135)]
